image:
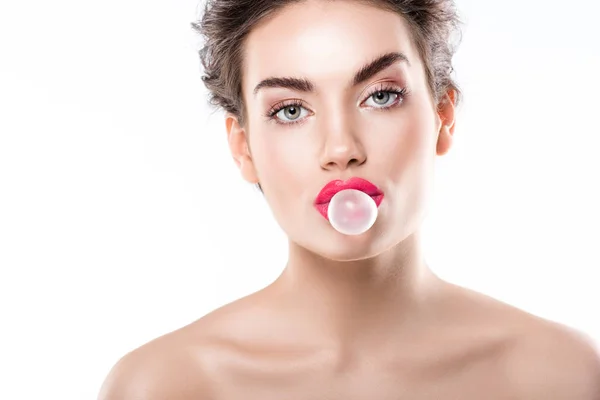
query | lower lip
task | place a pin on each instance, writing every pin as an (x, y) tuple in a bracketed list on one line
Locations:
[(322, 208)]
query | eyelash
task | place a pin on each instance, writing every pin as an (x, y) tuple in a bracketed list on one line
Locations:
[(383, 88)]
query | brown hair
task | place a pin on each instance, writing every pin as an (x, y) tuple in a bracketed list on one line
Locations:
[(225, 24)]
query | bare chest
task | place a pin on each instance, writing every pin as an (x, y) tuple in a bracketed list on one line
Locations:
[(464, 382)]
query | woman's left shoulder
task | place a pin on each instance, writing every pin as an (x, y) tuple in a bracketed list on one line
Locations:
[(549, 360), (537, 357)]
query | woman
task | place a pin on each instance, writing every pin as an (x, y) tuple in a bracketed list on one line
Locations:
[(326, 91)]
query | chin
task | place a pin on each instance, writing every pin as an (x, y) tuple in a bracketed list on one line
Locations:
[(339, 247)]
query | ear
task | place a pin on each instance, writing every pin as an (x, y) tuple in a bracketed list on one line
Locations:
[(446, 113), (240, 151)]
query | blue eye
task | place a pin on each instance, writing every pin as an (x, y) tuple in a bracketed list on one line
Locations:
[(381, 98), (287, 113), (293, 111), (382, 95)]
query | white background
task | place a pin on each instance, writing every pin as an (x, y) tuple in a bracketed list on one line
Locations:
[(110, 230)]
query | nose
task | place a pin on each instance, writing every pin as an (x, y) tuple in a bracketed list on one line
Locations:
[(342, 150)]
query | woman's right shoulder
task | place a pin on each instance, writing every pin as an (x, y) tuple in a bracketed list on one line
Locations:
[(166, 368), (186, 363), (178, 365)]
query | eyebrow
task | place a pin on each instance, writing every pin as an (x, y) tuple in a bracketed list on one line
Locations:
[(364, 73)]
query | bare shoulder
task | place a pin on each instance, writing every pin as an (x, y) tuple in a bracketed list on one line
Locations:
[(184, 364), (168, 367), (541, 359), (553, 361)]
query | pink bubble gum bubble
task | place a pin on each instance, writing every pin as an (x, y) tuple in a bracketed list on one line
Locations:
[(352, 212)]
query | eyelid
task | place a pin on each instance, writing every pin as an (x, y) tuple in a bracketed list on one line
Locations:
[(389, 87), (283, 104), (271, 115), (381, 87)]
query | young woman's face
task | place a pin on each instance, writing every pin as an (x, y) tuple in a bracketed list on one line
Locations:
[(383, 127)]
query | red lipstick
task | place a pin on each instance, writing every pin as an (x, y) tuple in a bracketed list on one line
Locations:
[(329, 190)]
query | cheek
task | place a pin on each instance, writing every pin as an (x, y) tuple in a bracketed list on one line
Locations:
[(281, 164), (403, 144)]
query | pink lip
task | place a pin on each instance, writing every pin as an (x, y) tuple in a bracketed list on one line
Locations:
[(329, 190)]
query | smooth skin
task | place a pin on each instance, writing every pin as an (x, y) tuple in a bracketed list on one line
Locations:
[(359, 317)]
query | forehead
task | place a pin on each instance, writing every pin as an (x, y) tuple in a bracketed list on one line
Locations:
[(323, 41)]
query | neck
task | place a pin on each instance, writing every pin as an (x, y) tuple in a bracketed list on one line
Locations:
[(357, 301)]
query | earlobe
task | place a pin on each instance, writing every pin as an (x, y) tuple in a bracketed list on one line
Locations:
[(238, 145), (446, 113), (444, 140)]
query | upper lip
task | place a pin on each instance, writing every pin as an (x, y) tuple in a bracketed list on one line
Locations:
[(337, 185)]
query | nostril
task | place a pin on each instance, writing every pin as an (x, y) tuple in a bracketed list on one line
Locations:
[(355, 161), (343, 162)]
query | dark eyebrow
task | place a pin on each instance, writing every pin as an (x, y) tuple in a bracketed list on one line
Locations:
[(364, 73)]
